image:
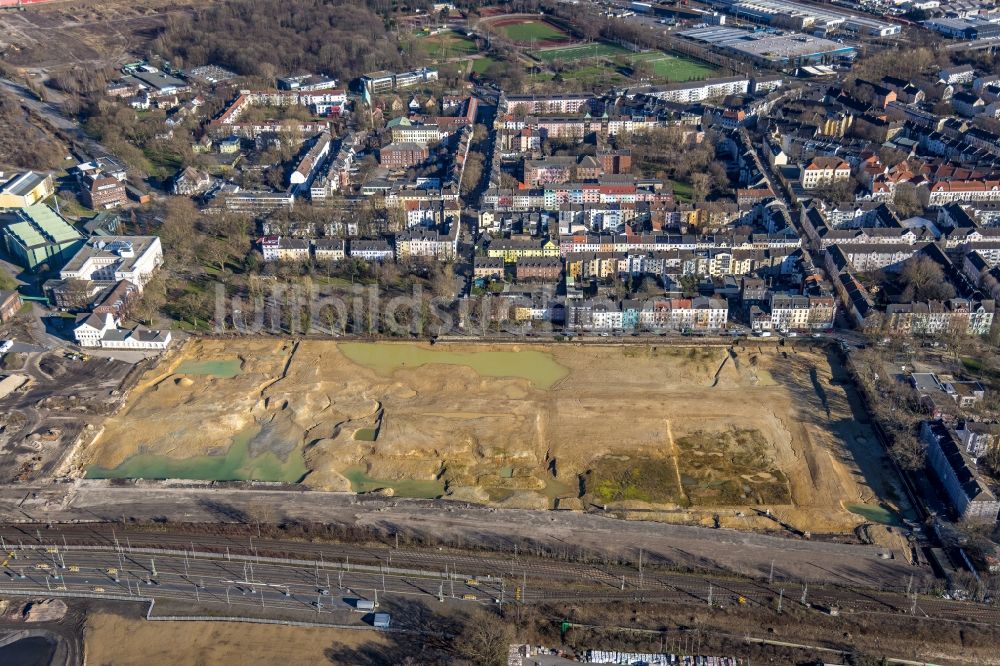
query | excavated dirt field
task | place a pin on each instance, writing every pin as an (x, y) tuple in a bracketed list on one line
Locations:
[(682, 434)]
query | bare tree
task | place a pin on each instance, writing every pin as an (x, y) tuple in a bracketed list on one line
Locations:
[(925, 280)]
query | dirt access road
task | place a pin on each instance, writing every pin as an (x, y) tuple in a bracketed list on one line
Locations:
[(465, 525)]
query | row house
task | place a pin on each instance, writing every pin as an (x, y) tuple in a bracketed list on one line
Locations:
[(281, 248), (371, 250), (824, 171), (866, 258), (488, 268), (337, 178), (802, 312), (971, 499), (418, 242), (944, 192), (696, 91), (701, 313), (311, 161), (968, 238), (956, 316), (870, 236), (430, 213), (513, 249), (547, 104), (398, 196), (547, 269)]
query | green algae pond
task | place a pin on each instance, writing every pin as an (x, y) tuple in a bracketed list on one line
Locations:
[(224, 368), (540, 368), (236, 464), (362, 483), (875, 514)]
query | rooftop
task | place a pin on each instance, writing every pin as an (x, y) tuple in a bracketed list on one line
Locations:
[(39, 225), (23, 184), (126, 249)]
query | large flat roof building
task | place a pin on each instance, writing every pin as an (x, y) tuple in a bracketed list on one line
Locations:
[(37, 236), (766, 48), (115, 258)]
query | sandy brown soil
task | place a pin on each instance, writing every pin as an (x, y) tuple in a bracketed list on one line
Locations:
[(113, 639), (720, 432)]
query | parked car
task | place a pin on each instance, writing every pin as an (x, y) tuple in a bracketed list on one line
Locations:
[(5, 346)]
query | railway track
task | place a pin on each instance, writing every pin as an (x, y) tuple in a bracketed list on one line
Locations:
[(543, 580)]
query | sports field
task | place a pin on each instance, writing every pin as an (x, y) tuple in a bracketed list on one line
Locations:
[(579, 52), (525, 31), (674, 69), (448, 44)]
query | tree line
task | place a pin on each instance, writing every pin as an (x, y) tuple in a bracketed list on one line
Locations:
[(342, 38)]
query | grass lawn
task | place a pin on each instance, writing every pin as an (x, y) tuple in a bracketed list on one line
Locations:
[(580, 52), (534, 30), (592, 75), (683, 191), (7, 282), (674, 69), (164, 163), (480, 65), (449, 44)]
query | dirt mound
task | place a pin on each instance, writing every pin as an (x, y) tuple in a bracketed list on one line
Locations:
[(49, 610)]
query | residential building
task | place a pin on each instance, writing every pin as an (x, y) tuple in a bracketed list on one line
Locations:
[(370, 250), (978, 438), (538, 268), (969, 497), (824, 171), (191, 181), (421, 242), (281, 248), (488, 268), (957, 74), (696, 91), (10, 305), (310, 163), (330, 249)]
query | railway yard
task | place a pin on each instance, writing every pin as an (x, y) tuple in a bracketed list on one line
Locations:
[(240, 575)]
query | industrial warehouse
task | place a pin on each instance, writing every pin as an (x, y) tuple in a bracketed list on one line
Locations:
[(797, 16), (774, 49)]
